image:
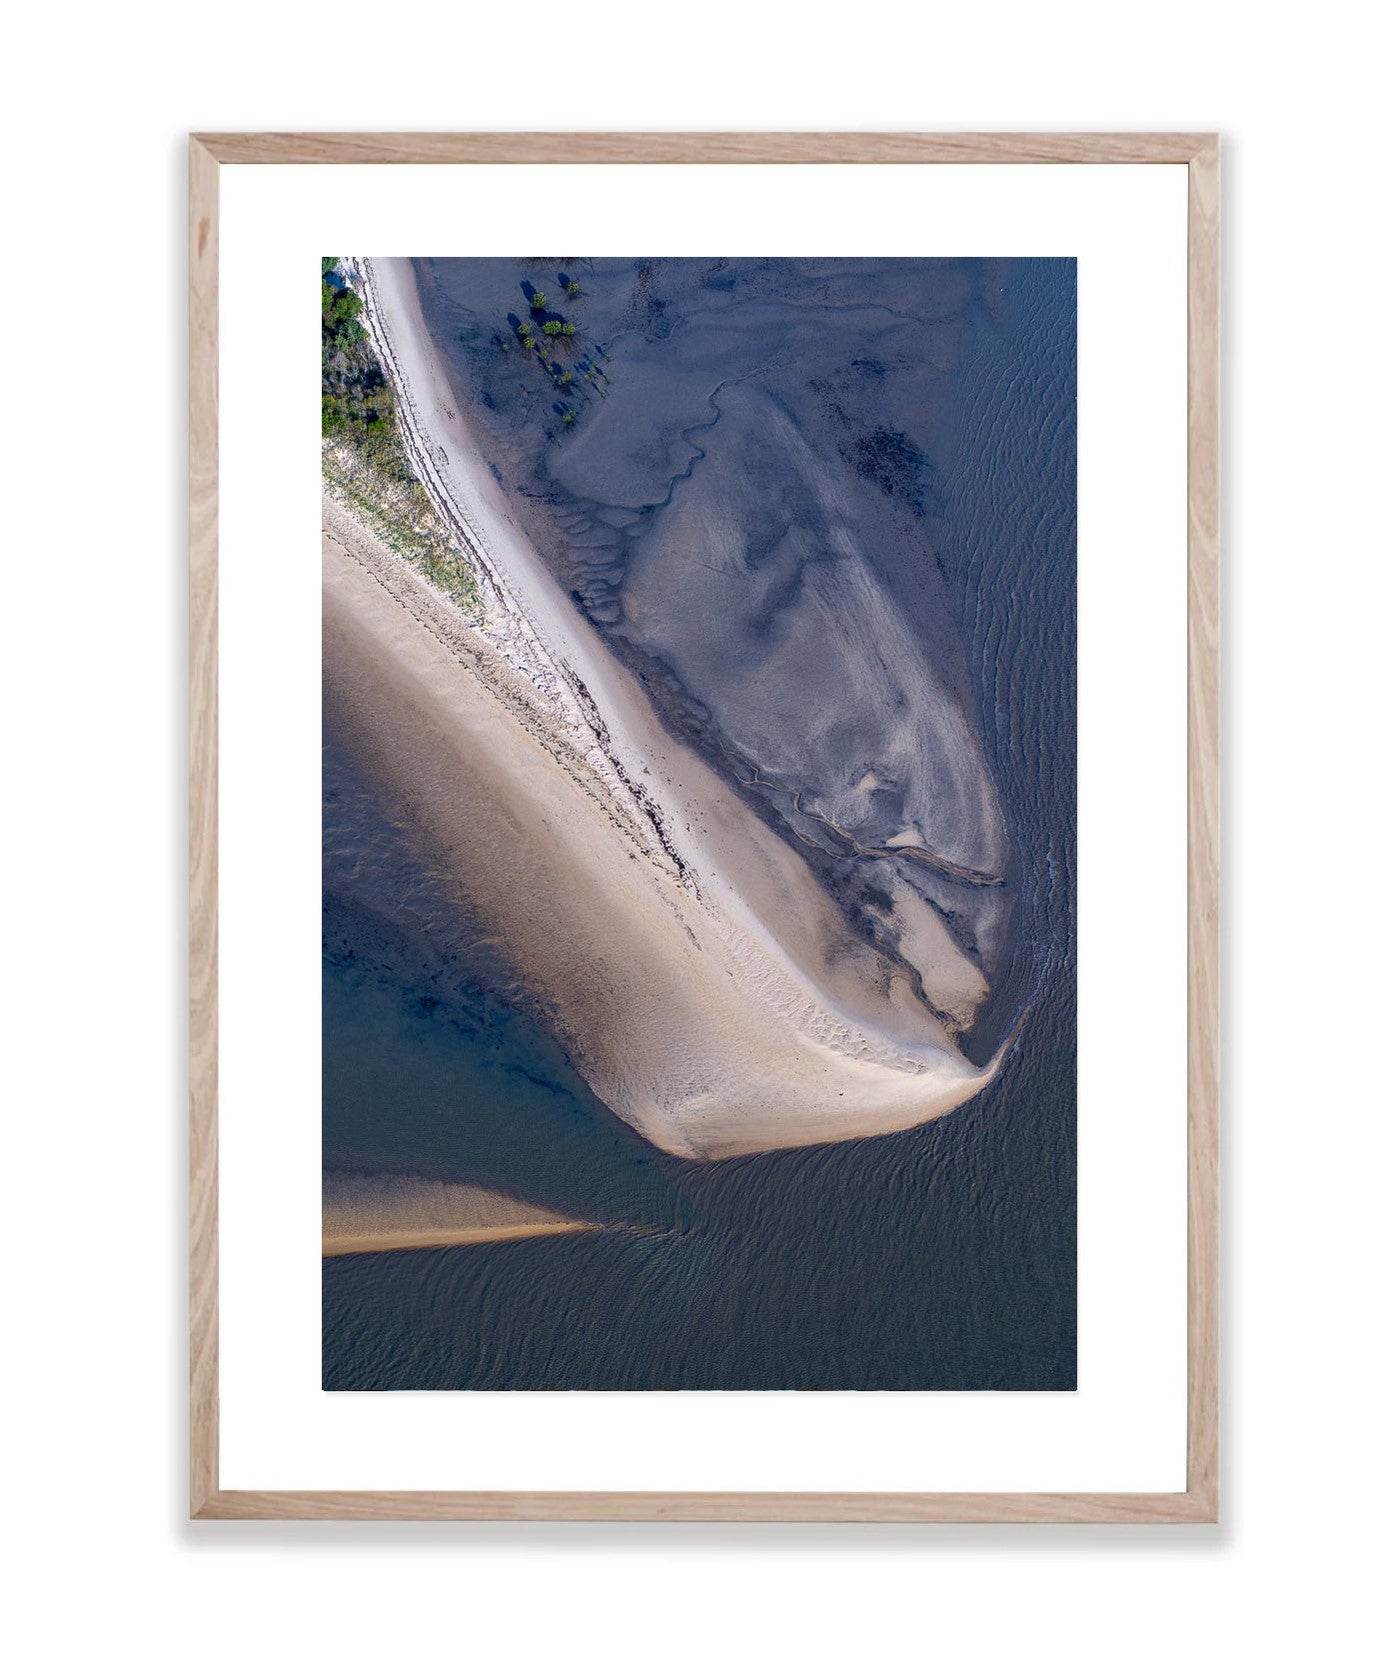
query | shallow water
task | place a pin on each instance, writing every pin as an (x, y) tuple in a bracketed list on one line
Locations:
[(932, 407)]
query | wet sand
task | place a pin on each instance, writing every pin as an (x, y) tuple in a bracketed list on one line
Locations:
[(683, 1019), (694, 967), (384, 1213), (401, 1241)]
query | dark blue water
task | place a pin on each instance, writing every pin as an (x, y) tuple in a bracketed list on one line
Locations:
[(431, 1062), (939, 1258)]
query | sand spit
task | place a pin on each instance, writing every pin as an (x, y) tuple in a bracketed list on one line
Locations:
[(701, 978), (400, 1241), (383, 1213)]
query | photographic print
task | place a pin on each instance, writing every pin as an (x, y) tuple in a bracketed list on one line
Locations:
[(699, 812)]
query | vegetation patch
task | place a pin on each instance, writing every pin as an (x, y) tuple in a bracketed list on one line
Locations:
[(362, 454)]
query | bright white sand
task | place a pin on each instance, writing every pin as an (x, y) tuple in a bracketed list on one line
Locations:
[(704, 982)]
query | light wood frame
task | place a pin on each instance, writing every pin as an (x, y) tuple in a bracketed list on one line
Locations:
[(1200, 154)]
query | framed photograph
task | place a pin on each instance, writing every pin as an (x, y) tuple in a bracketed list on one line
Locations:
[(704, 827)]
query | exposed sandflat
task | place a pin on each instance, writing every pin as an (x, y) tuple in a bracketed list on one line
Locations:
[(394, 1241), (681, 1011), (700, 975), (382, 1212)]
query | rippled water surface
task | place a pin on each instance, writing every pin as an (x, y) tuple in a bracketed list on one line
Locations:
[(821, 507)]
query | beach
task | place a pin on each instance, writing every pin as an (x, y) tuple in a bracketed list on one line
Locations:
[(665, 894), (680, 1019), (695, 969)]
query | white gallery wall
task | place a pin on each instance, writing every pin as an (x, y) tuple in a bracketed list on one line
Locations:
[(108, 1574)]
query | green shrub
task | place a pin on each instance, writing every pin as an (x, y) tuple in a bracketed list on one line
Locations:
[(363, 456)]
